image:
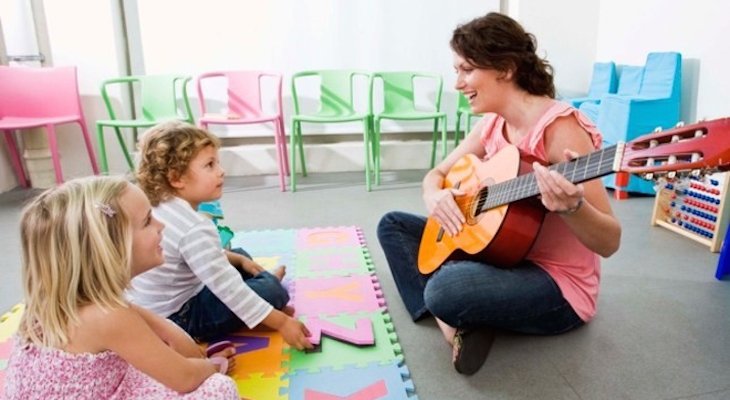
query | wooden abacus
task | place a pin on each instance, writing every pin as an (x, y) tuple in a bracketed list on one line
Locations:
[(694, 207)]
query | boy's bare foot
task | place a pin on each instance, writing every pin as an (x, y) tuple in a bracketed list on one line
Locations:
[(280, 272)]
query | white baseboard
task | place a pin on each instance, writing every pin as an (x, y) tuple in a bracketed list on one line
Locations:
[(260, 159)]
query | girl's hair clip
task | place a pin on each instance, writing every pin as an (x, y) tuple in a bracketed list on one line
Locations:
[(106, 209)]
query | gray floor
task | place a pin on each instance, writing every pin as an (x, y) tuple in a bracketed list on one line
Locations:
[(662, 330)]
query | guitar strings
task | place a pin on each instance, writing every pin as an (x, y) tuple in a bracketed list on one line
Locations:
[(525, 186)]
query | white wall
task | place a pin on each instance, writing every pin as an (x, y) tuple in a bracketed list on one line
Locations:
[(290, 35), (293, 35), (566, 32), (629, 29)]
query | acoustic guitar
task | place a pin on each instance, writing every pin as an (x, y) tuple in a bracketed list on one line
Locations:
[(503, 216)]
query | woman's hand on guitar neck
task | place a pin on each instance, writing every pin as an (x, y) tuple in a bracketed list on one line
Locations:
[(556, 192), (442, 207)]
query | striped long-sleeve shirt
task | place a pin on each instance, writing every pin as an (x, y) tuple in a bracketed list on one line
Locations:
[(193, 259)]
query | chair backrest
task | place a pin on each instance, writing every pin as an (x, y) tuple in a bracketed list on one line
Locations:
[(158, 95), (629, 80), (243, 91), (662, 76), (335, 90), (398, 90), (463, 105), (603, 80), (39, 92)]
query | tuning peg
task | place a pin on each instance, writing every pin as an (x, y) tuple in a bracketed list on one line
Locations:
[(671, 174), (657, 129), (696, 172), (679, 124)]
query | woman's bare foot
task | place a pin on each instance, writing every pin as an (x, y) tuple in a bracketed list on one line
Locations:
[(447, 330), (279, 272)]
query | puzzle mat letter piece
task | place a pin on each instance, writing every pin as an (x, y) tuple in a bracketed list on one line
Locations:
[(259, 387), (331, 261), (9, 323), (360, 335), (336, 354), (336, 295), (349, 382), (267, 242), (257, 353), (375, 391), (329, 237)]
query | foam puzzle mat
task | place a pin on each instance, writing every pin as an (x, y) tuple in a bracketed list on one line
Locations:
[(334, 289)]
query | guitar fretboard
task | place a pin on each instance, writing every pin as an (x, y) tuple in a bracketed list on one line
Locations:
[(581, 169)]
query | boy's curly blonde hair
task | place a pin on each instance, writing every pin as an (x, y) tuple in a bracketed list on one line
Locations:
[(166, 151)]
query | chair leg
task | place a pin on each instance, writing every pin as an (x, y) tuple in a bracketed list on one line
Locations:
[(293, 153), (434, 138), (444, 139), (376, 149), (468, 124), (280, 155), (89, 147), (300, 141), (366, 144), (15, 159), (457, 131), (124, 149), (53, 145), (283, 146), (102, 149)]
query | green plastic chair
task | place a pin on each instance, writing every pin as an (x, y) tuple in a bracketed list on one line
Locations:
[(463, 109), (336, 104), (399, 104), (158, 103)]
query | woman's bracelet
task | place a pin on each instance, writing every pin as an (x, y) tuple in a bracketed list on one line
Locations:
[(573, 209)]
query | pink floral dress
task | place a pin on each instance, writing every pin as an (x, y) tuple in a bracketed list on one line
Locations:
[(36, 372)]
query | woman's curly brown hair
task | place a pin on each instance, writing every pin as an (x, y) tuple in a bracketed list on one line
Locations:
[(496, 41), (166, 150)]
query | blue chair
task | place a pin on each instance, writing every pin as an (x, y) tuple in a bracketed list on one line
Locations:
[(629, 83), (603, 81), (657, 104)]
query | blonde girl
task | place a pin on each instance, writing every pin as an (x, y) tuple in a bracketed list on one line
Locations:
[(79, 338)]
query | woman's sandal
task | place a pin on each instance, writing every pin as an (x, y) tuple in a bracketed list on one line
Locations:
[(471, 348)]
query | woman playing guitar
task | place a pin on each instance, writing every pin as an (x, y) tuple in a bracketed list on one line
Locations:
[(554, 287)]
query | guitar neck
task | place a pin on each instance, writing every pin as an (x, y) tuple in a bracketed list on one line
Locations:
[(581, 169)]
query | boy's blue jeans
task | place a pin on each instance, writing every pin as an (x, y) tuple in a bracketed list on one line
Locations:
[(205, 317), (470, 294)]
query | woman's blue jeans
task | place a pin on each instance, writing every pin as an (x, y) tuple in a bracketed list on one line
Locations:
[(205, 317), (471, 294)]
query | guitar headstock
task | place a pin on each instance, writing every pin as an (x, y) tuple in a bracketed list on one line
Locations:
[(700, 147)]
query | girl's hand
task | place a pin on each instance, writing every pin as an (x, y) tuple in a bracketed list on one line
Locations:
[(442, 207), (295, 333), (557, 193)]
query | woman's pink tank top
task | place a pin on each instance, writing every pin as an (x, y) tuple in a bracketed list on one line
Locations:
[(574, 268)]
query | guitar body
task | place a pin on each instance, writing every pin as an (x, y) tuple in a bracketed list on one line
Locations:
[(502, 217), (501, 236)]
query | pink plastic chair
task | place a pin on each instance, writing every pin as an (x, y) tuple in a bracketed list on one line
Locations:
[(244, 107), (40, 97)]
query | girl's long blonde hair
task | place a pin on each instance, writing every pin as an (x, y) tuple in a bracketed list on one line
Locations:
[(77, 249)]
